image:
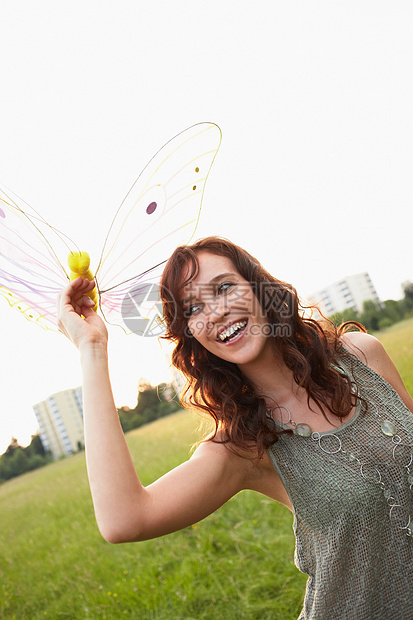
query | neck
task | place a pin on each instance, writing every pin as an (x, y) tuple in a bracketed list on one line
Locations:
[(270, 377)]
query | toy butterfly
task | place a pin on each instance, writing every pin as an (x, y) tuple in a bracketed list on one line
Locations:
[(160, 212)]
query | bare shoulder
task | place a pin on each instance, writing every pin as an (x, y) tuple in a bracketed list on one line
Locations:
[(364, 346), (230, 462), (370, 350)]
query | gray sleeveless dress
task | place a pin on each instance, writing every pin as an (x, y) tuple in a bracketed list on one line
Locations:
[(352, 494)]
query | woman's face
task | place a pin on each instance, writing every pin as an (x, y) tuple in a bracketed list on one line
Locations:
[(223, 314)]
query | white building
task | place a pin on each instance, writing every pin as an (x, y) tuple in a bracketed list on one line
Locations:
[(60, 419), (348, 293)]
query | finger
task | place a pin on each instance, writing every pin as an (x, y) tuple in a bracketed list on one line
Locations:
[(88, 311), (81, 283), (70, 299), (84, 283), (84, 287), (86, 301), (83, 296), (75, 290)]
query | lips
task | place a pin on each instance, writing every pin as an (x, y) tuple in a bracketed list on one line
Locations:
[(226, 332)]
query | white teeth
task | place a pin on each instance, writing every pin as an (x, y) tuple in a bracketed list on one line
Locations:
[(231, 329)]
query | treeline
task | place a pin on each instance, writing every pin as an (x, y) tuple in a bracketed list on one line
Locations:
[(153, 403), (376, 317), (18, 460)]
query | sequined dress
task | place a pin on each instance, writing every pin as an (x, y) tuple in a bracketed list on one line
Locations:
[(352, 495)]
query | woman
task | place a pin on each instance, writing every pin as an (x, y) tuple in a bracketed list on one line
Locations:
[(313, 417)]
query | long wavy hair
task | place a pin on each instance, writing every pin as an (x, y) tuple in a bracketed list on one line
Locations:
[(310, 348)]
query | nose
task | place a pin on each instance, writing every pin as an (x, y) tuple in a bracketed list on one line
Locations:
[(216, 310)]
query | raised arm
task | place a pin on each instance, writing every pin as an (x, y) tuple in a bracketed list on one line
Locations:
[(125, 510)]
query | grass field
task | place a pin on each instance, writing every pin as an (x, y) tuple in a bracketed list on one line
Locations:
[(398, 342), (237, 563)]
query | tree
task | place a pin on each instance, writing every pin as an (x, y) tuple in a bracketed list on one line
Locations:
[(370, 316), (35, 447), (153, 403), (392, 311), (38, 461), (5, 469), (14, 444), (408, 296), (19, 462), (147, 396), (408, 289), (349, 314)]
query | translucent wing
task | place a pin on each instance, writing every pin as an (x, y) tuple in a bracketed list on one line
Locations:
[(31, 275), (160, 212)]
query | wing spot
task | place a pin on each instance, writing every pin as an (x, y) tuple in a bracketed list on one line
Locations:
[(194, 187), (151, 208), (197, 169)]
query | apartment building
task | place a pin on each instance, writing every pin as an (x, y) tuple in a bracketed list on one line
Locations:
[(60, 419), (348, 293)]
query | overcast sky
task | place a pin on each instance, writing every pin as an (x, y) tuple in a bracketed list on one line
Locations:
[(314, 175)]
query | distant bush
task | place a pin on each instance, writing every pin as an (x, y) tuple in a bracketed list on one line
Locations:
[(153, 403), (386, 322), (18, 460)]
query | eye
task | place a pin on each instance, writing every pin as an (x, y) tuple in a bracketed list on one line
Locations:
[(224, 287), (191, 310)]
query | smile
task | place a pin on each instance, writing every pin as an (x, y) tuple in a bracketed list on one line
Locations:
[(231, 332)]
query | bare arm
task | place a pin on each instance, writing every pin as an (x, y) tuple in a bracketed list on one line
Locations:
[(125, 510), (371, 352)]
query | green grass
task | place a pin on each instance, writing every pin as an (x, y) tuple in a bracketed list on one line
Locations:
[(237, 563), (398, 342)]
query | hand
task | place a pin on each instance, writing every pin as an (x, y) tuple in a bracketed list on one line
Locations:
[(72, 304)]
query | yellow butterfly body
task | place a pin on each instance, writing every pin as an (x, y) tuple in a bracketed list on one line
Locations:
[(79, 265)]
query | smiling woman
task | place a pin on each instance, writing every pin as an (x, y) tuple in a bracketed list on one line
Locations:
[(223, 311), (234, 323), (309, 415)]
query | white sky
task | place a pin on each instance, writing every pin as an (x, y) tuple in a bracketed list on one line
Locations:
[(314, 175)]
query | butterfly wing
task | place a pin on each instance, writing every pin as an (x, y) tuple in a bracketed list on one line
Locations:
[(160, 212), (31, 275)]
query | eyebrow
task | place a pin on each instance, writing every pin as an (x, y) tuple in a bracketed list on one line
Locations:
[(214, 280)]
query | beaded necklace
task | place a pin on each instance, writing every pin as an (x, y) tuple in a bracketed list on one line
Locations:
[(330, 442)]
